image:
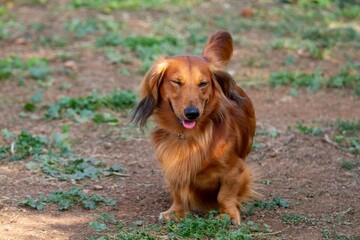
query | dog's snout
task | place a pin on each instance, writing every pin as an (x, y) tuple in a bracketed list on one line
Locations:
[(191, 113)]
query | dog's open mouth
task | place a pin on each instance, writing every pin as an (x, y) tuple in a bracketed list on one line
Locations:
[(188, 123)]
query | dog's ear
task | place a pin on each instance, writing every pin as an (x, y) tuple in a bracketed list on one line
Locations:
[(150, 94), (219, 48), (227, 84)]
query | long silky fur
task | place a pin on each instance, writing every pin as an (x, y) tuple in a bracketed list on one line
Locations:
[(229, 112)]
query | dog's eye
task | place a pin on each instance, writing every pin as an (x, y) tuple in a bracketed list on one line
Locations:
[(203, 84), (178, 83)]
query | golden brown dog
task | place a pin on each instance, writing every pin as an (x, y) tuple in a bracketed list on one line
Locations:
[(205, 126)]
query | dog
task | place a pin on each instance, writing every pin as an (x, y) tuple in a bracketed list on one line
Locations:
[(205, 125)]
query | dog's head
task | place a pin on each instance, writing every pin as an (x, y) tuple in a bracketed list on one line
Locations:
[(186, 85)]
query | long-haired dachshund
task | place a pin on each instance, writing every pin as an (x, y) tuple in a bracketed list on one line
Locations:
[(205, 126)]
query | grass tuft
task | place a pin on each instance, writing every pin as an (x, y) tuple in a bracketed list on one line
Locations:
[(67, 199)]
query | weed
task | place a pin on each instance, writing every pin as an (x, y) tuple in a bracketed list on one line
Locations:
[(349, 135), (107, 6), (290, 60), (191, 227), (8, 28), (348, 127), (54, 157), (35, 68), (23, 145), (89, 26), (349, 165), (149, 49), (329, 234), (114, 57), (297, 79), (346, 78), (276, 202), (74, 168), (109, 40), (316, 131), (293, 218), (83, 108), (67, 199), (53, 41)]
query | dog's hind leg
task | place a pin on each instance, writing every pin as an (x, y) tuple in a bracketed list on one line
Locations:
[(234, 188)]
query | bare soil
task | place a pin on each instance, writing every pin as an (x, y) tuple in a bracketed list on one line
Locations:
[(303, 169)]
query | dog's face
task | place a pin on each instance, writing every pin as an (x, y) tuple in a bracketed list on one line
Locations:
[(187, 87), (186, 84)]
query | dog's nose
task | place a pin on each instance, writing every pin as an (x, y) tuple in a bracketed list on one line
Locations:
[(191, 113)]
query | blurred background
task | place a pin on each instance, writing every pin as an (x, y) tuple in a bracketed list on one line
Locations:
[(69, 75)]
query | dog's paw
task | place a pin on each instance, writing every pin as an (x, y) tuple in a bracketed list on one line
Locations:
[(166, 216), (234, 221), (169, 215)]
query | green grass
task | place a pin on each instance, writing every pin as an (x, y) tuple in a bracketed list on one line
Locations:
[(312, 81), (55, 157), (33, 68), (316, 131), (347, 165), (22, 145), (274, 203), (9, 27), (82, 28), (108, 6), (191, 227), (346, 78), (345, 134), (67, 199), (348, 135), (74, 168), (148, 49), (297, 219), (84, 108)]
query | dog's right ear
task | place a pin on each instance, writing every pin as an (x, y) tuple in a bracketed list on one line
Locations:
[(149, 93), (219, 48)]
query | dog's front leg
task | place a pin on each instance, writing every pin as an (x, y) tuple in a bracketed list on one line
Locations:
[(177, 210)]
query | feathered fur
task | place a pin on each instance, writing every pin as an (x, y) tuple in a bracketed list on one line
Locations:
[(203, 159)]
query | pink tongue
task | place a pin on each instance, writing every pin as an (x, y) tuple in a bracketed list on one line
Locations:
[(188, 124)]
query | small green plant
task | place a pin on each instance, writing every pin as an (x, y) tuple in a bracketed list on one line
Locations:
[(346, 78), (67, 199), (83, 108), (53, 41), (89, 26), (349, 135), (149, 48), (75, 168), (109, 40), (348, 127), (108, 6), (191, 227), (347, 165), (23, 145), (35, 68), (275, 202), (293, 218), (36, 98), (296, 79), (316, 131)]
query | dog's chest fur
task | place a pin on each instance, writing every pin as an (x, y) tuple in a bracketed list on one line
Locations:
[(182, 157)]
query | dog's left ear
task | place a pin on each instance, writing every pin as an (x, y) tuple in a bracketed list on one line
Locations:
[(219, 48), (150, 93), (227, 84)]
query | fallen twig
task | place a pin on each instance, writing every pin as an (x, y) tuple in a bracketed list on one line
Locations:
[(327, 139)]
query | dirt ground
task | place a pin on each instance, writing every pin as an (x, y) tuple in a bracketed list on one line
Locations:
[(303, 169)]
